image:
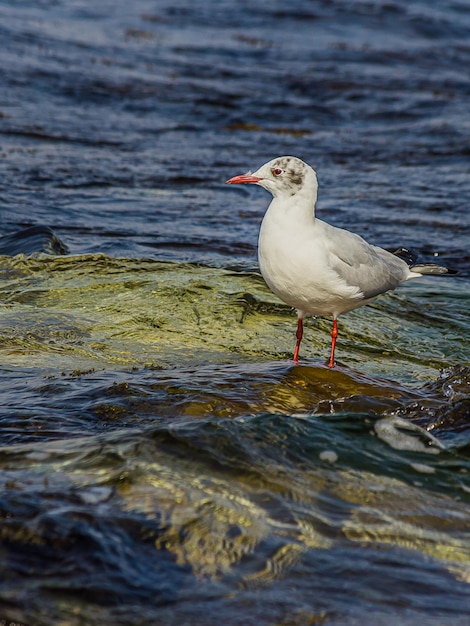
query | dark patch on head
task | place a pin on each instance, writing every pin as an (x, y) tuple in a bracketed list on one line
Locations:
[(294, 172), (296, 177)]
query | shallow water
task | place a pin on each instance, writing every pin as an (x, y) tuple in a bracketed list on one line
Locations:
[(163, 460)]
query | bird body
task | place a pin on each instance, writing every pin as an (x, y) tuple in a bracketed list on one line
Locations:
[(312, 266), (317, 274)]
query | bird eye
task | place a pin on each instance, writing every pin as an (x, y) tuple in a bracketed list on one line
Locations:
[(277, 171)]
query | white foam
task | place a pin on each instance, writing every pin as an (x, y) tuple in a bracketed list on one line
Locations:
[(329, 456), (403, 435), (423, 468)]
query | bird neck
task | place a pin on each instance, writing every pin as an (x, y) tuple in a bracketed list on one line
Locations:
[(298, 210)]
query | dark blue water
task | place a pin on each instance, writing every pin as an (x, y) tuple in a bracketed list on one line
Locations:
[(162, 460), (120, 122)]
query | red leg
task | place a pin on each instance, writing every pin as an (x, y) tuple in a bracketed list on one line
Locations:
[(334, 334), (299, 335)]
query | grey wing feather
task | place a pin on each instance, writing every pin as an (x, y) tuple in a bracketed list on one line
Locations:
[(370, 268)]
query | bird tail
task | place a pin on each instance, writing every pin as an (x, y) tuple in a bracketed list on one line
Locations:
[(431, 269), (422, 268)]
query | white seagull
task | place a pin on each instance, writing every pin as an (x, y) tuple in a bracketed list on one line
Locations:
[(312, 266)]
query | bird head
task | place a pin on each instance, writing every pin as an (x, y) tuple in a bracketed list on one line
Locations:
[(283, 177)]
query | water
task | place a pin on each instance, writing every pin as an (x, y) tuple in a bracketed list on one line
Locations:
[(163, 460)]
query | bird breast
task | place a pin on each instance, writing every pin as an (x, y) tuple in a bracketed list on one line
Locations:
[(294, 263)]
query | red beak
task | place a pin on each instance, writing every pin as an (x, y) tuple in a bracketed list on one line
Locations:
[(242, 179)]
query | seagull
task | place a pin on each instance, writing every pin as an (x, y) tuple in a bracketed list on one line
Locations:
[(312, 266)]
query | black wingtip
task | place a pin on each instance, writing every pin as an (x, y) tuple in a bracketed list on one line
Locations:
[(422, 268), (406, 255)]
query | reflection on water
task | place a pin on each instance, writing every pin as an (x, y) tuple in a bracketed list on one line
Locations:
[(225, 508)]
